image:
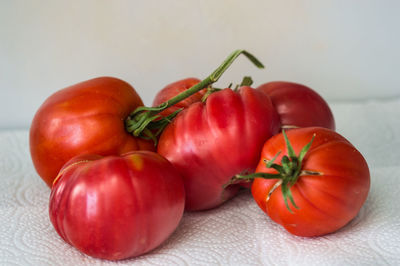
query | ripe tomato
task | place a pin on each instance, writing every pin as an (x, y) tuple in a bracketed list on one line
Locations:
[(117, 207), (211, 142), (84, 118), (174, 89), (298, 105), (331, 185)]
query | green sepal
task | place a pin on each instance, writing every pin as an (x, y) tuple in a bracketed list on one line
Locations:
[(305, 149), (246, 81), (289, 147), (287, 193), (269, 163)]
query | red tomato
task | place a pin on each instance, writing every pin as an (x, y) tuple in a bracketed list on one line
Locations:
[(211, 142), (298, 105), (117, 207), (174, 89), (331, 188), (84, 118)]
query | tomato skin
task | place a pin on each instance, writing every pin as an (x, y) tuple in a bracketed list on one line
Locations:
[(117, 207), (298, 105), (87, 117), (175, 88), (326, 202), (211, 142)]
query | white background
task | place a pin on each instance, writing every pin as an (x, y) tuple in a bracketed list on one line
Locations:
[(345, 50)]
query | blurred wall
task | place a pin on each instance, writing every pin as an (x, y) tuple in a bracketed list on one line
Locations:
[(343, 49)]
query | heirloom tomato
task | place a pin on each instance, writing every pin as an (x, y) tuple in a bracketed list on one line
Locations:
[(318, 187), (210, 142), (117, 207), (84, 118), (298, 105), (175, 88)]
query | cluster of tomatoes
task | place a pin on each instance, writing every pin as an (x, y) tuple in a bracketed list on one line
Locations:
[(115, 194)]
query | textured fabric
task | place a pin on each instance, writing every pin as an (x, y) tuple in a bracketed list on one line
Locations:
[(238, 232)]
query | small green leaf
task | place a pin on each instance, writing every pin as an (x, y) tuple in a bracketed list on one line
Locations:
[(291, 198), (247, 81), (285, 190), (286, 164), (277, 167), (305, 149), (289, 147), (253, 59), (287, 193), (268, 163)]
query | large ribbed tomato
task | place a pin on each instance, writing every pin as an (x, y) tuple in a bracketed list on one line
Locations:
[(328, 184), (298, 105), (84, 118), (117, 207), (211, 142)]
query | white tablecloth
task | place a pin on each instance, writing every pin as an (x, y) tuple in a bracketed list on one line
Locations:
[(237, 233)]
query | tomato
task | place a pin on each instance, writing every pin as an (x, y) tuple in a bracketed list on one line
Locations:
[(298, 105), (211, 142), (117, 207), (173, 90), (328, 186), (84, 118)]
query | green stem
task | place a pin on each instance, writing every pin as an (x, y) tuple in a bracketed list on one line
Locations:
[(250, 177), (141, 118)]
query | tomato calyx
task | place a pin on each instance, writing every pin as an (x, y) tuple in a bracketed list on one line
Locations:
[(288, 171), (145, 122)]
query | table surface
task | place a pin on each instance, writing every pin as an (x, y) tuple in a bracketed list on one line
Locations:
[(238, 232)]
